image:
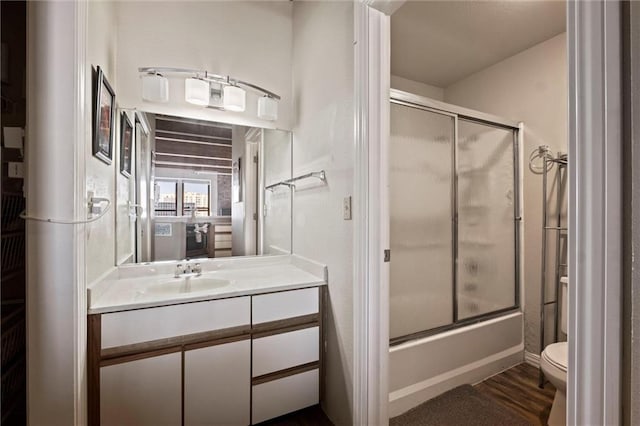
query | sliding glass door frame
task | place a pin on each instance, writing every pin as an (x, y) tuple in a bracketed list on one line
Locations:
[(452, 118), (460, 113)]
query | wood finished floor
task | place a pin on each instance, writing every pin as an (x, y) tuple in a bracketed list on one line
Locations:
[(517, 389)]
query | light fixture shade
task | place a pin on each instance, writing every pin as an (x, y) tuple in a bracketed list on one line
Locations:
[(234, 98), (196, 91), (268, 108), (155, 88)]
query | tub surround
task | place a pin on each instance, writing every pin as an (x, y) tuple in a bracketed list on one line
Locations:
[(497, 345), (149, 285)]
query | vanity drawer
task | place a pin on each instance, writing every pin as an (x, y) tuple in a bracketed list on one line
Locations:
[(278, 397), (286, 304), (285, 350), (143, 325)]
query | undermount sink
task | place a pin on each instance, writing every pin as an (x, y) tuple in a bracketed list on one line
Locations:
[(186, 285)]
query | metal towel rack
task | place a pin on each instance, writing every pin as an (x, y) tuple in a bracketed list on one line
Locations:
[(291, 182), (560, 232), (277, 184)]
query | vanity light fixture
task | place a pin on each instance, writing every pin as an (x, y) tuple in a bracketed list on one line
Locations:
[(196, 91), (208, 90), (234, 98), (267, 108), (155, 88)]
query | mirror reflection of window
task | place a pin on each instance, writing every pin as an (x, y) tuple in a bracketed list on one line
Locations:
[(195, 197), (166, 198)]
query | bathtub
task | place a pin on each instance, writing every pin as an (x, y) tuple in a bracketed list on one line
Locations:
[(424, 368)]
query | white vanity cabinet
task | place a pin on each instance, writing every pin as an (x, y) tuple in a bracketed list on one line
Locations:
[(235, 361)]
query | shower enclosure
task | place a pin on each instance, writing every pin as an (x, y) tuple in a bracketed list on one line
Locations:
[(455, 212)]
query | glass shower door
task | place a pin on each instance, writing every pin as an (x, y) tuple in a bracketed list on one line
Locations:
[(421, 182), (486, 230)]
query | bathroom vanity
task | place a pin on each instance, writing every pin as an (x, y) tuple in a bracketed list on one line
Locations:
[(239, 344)]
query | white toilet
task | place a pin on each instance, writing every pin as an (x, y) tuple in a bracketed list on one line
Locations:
[(553, 363)]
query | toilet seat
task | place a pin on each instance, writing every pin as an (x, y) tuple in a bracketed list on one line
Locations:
[(557, 355)]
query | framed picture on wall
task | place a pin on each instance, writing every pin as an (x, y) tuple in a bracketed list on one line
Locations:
[(104, 117), (126, 144)]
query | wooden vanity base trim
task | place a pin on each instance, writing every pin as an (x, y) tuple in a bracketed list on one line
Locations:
[(209, 343), (138, 356), (285, 373), (293, 326), (277, 325), (323, 321), (94, 340), (192, 339)]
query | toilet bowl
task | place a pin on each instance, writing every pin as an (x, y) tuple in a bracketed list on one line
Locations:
[(554, 362)]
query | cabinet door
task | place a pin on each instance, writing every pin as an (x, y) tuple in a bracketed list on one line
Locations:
[(217, 384), (142, 392)]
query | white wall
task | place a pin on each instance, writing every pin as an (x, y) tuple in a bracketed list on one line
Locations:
[(247, 40), (323, 89), (276, 157), (530, 87), (100, 177), (417, 88)]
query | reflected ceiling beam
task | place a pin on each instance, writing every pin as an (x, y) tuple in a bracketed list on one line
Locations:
[(192, 161), (194, 156), (204, 166), (169, 147), (193, 135), (218, 171), (215, 124), (227, 145)]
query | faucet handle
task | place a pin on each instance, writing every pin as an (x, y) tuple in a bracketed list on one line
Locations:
[(179, 270), (197, 268)]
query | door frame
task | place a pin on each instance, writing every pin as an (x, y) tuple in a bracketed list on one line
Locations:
[(595, 210), (372, 77)]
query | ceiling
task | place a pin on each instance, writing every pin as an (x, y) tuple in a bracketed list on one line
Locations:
[(442, 42)]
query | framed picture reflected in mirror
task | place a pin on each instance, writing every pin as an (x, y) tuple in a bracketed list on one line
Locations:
[(126, 144)]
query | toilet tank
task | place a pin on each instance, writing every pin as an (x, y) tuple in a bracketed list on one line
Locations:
[(564, 285)]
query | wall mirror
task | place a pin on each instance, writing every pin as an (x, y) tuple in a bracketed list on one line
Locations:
[(203, 189)]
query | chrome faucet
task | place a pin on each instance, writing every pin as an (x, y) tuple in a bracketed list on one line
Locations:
[(188, 270)]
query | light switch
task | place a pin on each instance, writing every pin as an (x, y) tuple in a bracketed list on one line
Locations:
[(346, 208)]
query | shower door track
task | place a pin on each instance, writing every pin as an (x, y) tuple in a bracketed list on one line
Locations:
[(456, 112)]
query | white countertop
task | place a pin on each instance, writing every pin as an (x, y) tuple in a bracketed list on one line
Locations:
[(128, 287)]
